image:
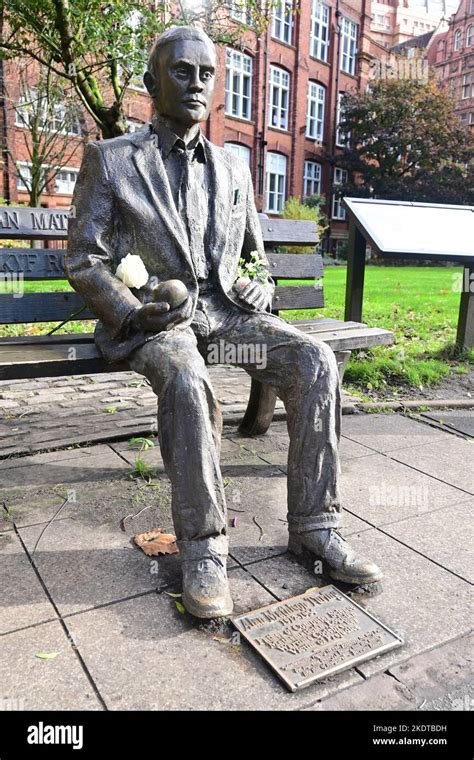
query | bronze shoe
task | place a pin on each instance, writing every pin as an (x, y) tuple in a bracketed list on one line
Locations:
[(340, 559), (206, 591)]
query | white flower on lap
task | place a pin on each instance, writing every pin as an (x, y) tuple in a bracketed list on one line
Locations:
[(132, 271)]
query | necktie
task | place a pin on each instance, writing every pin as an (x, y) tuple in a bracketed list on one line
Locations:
[(191, 196)]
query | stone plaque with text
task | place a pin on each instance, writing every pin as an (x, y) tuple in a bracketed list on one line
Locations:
[(310, 637)]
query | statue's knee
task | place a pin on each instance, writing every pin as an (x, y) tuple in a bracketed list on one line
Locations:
[(188, 375), (317, 359)]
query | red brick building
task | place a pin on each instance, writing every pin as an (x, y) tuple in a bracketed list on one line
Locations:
[(276, 105), (451, 54)]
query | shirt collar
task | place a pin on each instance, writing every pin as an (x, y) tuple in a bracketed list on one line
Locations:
[(167, 140)]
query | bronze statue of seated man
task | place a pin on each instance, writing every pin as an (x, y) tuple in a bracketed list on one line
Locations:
[(186, 208)]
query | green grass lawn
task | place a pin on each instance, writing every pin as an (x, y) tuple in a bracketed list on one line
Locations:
[(419, 304)]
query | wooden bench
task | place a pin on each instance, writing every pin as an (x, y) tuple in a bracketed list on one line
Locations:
[(76, 353)]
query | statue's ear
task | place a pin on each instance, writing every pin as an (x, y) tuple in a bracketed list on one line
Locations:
[(150, 82)]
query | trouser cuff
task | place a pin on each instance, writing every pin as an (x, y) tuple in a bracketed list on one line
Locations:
[(212, 546), (315, 522)]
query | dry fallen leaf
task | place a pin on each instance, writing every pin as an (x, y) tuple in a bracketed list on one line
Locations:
[(156, 542)]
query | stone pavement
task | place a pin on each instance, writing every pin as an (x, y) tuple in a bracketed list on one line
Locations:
[(85, 595)]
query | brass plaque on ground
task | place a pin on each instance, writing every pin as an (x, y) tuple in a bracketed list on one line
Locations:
[(315, 635)]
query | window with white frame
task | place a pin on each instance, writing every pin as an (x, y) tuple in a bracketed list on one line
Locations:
[(238, 150), (275, 183), (65, 121), (457, 40), (469, 35), (238, 85), (55, 119), (311, 178), (340, 178), (319, 41), (315, 111), (466, 86), (282, 20), (23, 111), (240, 11), (348, 45), (279, 98), (342, 137), (65, 181), (23, 176)]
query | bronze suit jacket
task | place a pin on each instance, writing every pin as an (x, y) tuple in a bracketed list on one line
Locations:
[(122, 204)]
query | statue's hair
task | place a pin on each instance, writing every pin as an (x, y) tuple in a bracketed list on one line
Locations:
[(170, 35)]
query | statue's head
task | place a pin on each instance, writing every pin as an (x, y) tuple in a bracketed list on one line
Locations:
[(181, 74)]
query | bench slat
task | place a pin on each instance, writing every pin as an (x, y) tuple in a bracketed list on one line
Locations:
[(33, 359), (48, 264), (41, 307), (298, 297), (289, 232), (33, 263), (293, 266)]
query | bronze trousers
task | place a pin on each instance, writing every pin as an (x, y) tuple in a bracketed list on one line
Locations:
[(303, 372)]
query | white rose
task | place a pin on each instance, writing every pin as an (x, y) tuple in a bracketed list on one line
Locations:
[(132, 271)]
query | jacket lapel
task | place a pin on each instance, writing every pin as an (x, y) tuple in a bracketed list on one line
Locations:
[(220, 204), (150, 166)]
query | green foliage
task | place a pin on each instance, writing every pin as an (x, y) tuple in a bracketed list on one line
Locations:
[(255, 268), (141, 443), (420, 306), (407, 143), (308, 210), (101, 47), (142, 470)]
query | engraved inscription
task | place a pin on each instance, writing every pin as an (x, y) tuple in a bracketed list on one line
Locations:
[(301, 637), (315, 635)]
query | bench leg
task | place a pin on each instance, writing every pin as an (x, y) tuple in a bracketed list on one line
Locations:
[(260, 409), (342, 358), (261, 405)]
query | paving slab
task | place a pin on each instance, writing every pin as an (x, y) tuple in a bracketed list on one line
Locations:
[(284, 577), (144, 655), (94, 463), (259, 505), (460, 420), (443, 675), (383, 491), (84, 566), (448, 460), (421, 601), (445, 536), (389, 432), (35, 684), (23, 601)]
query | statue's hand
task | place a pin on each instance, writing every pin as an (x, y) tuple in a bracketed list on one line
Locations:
[(158, 317), (256, 294)]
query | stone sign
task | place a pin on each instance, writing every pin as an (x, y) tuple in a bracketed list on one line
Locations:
[(315, 635)]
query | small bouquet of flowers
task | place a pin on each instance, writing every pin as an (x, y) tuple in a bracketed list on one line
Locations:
[(253, 270)]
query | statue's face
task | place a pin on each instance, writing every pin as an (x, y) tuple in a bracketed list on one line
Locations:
[(184, 83)]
